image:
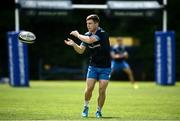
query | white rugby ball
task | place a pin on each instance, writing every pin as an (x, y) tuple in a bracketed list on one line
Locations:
[(27, 37)]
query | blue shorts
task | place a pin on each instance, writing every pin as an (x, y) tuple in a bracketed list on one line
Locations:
[(99, 73), (118, 66)]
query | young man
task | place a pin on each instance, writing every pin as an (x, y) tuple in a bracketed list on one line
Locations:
[(97, 41), (119, 56)]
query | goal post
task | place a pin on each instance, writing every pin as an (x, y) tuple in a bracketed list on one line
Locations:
[(164, 36), (18, 61)]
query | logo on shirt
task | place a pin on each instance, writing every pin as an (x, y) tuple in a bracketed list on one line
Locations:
[(94, 46)]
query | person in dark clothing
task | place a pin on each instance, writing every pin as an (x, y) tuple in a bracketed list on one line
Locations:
[(97, 41)]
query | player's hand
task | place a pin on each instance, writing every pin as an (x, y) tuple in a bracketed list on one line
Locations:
[(75, 33), (118, 56), (69, 42)]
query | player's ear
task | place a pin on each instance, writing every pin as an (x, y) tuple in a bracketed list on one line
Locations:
[(97, 24)]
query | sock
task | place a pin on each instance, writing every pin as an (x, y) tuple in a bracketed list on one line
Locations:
[(99, 109), (86, 103)]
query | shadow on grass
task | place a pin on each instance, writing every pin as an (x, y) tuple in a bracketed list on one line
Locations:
[(91, 117)]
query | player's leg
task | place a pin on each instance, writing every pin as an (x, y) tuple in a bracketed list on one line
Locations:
[(102, 93), (102, 96), (126, 68), (90, 83), (114, 68), (104, 76), (129, 73)]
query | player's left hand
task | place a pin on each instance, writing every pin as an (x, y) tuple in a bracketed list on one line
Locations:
[(75, 33), (69, 42)]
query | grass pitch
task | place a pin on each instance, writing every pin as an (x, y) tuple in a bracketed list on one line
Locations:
[(63, 100)]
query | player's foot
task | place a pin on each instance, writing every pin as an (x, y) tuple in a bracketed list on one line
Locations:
[(85, 111), (98, 114), (135, 86)]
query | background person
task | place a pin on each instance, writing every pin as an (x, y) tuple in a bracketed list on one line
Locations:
[(118, 63)]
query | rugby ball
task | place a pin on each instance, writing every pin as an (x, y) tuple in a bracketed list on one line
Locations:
[(27, 37)]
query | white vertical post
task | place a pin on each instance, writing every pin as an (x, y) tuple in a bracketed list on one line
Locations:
[(164, 17), (16, 17), (20, 46)]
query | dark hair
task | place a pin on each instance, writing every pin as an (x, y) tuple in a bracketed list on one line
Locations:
[(119, 39), (94, 17)]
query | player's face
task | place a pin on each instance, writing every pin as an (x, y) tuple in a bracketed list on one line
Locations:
[(91, 25), (119, 41)]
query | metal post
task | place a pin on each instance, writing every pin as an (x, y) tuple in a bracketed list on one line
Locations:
[(164, 17), (20, 46), (16, 17)]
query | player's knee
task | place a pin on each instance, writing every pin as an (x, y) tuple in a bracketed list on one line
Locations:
[(89, 89), (128, 71)]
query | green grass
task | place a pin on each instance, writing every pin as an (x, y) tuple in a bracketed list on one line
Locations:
[(63, 100)]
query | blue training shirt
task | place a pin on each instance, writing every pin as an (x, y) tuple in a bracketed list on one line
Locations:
[(118, 49)]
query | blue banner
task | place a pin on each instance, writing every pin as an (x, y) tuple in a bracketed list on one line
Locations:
[(18, 61), (165, 58)]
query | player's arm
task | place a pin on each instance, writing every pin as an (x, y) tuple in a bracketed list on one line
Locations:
[(83, 38), (125, 55), (78, 48), (114, 56), (118, 56)]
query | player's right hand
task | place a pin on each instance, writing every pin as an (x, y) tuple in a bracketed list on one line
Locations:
[(69, 42)]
